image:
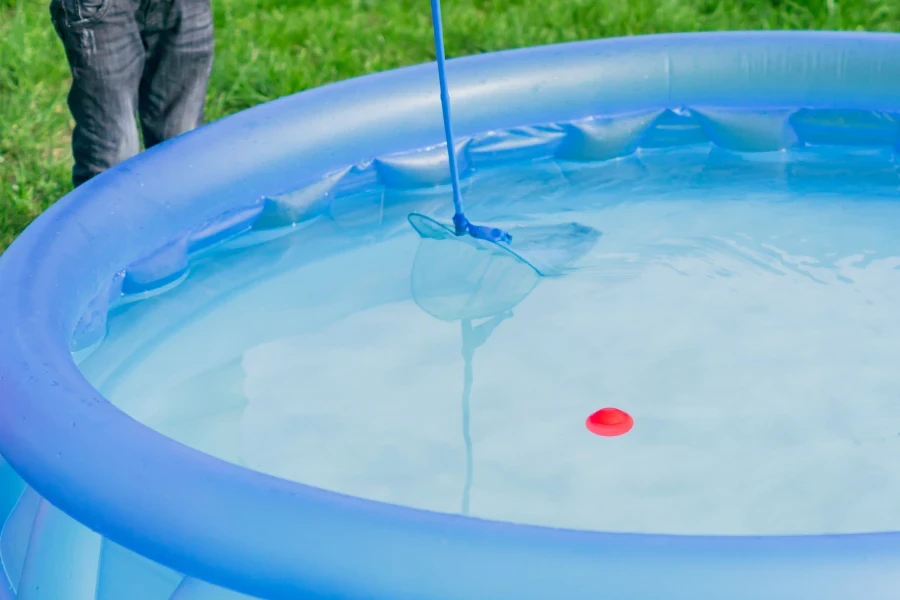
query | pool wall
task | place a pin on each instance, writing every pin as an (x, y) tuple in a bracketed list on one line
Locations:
[(133, 228), (47, 555)]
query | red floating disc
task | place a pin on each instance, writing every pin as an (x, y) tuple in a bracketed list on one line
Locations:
[(609, 422)]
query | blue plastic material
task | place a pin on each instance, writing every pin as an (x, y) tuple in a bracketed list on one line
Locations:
[(461, 224), (16, 535), (288, 161)]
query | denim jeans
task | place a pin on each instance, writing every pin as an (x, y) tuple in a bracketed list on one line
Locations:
[(128, 58)]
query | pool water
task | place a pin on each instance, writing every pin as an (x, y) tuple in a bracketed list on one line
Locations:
[(741, 308)]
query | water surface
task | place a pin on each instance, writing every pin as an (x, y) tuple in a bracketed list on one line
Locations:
[(742, 308)]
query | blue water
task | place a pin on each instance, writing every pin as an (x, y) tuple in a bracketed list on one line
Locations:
[(742, 308)]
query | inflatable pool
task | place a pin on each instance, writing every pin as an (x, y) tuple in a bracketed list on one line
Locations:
[(230, 368)]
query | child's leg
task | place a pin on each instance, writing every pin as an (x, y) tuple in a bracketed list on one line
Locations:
[(106, 58), (178, 35)]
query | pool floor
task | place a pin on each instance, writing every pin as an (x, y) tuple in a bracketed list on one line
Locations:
[(741, 308)]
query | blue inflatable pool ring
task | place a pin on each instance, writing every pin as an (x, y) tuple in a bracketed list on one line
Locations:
[(144, 511)]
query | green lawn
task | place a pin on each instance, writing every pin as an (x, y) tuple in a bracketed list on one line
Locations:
[(269, 48)]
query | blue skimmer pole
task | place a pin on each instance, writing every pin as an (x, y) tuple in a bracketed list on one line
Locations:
[(461, 224)]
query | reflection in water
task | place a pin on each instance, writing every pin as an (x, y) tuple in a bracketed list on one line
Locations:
[(465, 279), (473, 337), (454, 279)]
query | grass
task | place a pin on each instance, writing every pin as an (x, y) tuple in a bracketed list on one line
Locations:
[(270, 48)]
